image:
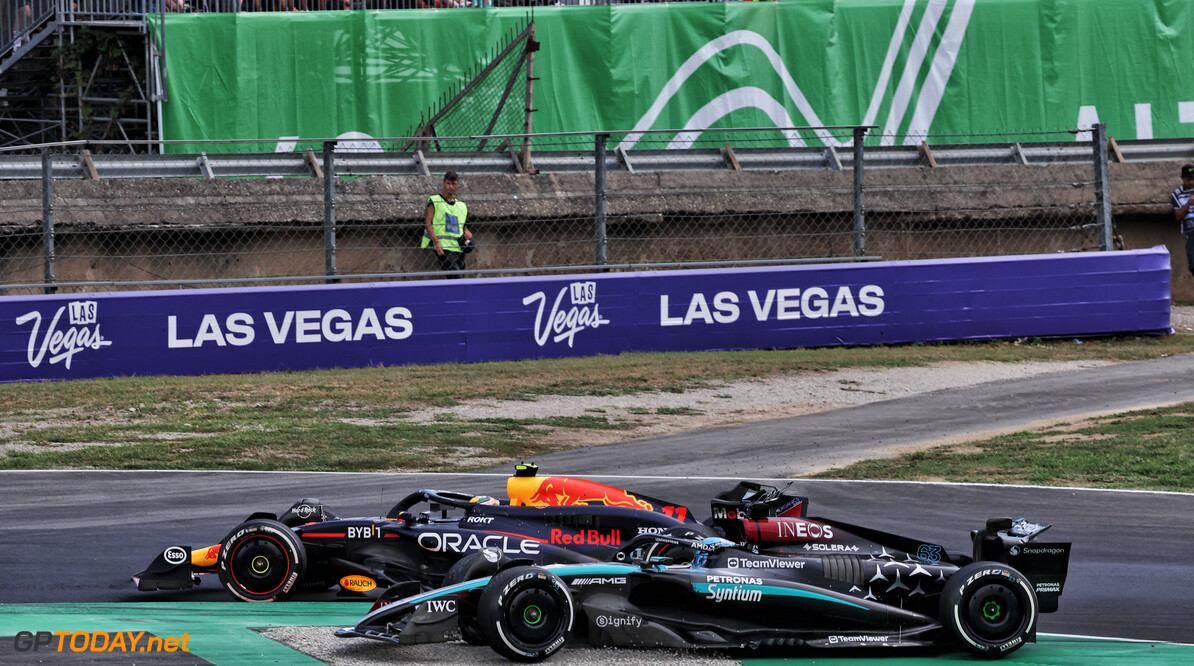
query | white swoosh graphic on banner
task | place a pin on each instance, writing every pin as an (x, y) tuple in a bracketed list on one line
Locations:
[(729, 102), (893, 50), (943, 65), (932, 90), (703, 55), (916, 58)]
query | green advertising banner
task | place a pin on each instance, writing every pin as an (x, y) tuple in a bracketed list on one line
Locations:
[(910, 67)]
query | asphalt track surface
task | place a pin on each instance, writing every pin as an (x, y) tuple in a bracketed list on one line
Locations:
[(75, 537)]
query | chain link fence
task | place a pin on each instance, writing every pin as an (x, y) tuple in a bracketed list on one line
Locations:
[(990, 208), (352, 210)]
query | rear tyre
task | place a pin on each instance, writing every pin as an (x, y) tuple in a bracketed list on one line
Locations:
[(525, 614), (989, 609), (261, 560)]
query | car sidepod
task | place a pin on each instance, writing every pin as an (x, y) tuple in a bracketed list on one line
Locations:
[(643, 605)]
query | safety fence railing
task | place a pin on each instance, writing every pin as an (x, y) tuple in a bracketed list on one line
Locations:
[(75, 218)]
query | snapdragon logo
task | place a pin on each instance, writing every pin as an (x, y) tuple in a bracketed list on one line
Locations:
[(563, 322), (1039, 550), (59, 342), (927, 55)]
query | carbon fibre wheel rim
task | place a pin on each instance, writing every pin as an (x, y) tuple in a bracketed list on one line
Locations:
[(534, 614), (995, 612), (259, 565)]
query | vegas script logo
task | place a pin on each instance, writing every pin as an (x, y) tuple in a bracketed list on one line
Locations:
[(62, 343), (563, 323)]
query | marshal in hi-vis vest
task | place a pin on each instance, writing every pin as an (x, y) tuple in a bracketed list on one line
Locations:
[(1180, 196), (448, 223)]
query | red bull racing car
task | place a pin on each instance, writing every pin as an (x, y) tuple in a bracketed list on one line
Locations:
[(775, 579), (269, 557)]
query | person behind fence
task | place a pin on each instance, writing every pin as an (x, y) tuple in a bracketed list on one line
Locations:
[(444, 226), (1183, 211)]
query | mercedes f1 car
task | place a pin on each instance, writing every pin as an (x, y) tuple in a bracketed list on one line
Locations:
[(269, 557), (774, 579)]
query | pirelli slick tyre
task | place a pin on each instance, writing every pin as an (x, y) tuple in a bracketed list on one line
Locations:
[(261, 560), (525, 614), (989, 609)]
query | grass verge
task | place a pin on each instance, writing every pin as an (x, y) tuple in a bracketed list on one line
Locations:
[(1145, 450)]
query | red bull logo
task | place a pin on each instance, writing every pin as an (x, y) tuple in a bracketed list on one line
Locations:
[(565, 491), (586, 538)]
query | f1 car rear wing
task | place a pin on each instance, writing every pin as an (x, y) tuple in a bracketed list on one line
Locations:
[(753, 501), (1013, 541)]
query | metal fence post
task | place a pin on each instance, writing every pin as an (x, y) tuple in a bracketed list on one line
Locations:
[(859, 195), (329, 208), (599, 205), (532, 46), (1102, 188), (47, 220)]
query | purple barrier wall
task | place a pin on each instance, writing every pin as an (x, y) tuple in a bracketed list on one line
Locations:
[(296, 328)]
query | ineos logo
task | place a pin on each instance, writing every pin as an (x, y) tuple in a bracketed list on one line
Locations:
[(174, 555), (801, 529)]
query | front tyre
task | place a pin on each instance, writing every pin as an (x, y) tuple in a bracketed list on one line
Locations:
[(989, 609), (261, 560), (525, 614)]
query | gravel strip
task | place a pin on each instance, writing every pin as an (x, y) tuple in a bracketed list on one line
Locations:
[(819, 391), (661, 413)]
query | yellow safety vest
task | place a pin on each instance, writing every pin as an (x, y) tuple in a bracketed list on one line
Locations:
[(448, 223)]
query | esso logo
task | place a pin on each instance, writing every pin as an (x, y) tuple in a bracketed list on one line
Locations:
[(175, 555)]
